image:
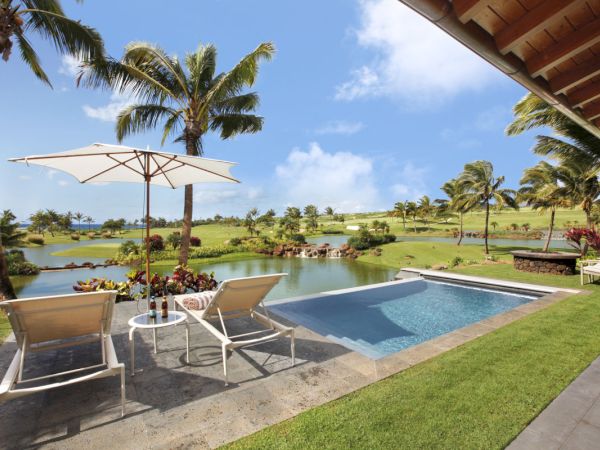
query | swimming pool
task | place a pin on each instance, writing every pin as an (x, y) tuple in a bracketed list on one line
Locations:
[(386, 318)]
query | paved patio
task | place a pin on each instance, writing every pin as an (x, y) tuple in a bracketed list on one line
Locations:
[(171, 404), (571, 421)]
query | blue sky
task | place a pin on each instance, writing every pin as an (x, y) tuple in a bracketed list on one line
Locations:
[(365, 104)]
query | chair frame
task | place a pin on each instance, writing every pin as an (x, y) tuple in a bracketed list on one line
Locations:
[(229, 343), (10, 387), (583, 270)]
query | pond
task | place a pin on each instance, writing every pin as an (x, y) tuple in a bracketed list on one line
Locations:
[(335, 240), (305, 276)]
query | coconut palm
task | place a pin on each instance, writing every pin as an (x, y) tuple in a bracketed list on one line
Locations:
[(481, 188), (541, 189), (400, 211), (426, 210), (89, 221), (412, 210), (188, 99), (493, 225), (21, 19), (78, 217), (579, 183), (456, 203)]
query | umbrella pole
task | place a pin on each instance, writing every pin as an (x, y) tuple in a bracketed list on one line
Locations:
[(148, 228)]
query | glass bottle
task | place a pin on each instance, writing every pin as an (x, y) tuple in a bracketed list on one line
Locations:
[(164, 308), (152, 311)]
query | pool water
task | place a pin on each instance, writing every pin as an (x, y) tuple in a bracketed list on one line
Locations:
[(378, 321)]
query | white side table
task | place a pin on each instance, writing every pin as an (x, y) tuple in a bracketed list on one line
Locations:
[(144, 321)]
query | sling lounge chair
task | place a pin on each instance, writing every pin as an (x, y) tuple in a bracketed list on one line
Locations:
[(47, 323), (234, 298), (591, 268)]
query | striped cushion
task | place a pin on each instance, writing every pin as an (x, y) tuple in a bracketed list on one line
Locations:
[(199, 300)]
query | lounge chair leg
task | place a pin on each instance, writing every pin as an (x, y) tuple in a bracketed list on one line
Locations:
[(293, 346), (224, 349), (123, 391)]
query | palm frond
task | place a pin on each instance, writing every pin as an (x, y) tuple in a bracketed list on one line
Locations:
[(234, 124), (141, 117), (30, 58)]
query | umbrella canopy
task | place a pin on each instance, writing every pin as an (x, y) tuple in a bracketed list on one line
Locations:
[(117, 163), (105, 163)]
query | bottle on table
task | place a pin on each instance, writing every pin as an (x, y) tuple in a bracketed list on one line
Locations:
[(152, 311), (164, 308)]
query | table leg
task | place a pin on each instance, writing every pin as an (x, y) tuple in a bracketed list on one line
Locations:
[(132, 350), (187, 342), (154, 338)]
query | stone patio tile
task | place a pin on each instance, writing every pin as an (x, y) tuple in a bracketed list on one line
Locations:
[(420, 353), (451, 340), (593, 415), (584, 436), (529, 308), (560, 418), (503, 319), (476, 330), (532, 440)]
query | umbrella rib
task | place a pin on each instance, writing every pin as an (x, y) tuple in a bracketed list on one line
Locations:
[(203, 169), (119, 163), (124, 163), (159, 168)]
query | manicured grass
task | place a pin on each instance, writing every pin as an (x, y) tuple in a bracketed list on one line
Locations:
[(4, 327), (170, 263), (480, 395), (90, 251)]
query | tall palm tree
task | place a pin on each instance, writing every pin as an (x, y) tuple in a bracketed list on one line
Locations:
[(18, 20), (480, 188), (188, 99), (579, 183), (412, 210), (400, 211), (456, 203), (542, 190), (426, 209), (21, 18), (89, 221), (78, 217)]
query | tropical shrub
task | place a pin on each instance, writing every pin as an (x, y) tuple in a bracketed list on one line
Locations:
[(365, 239), (129, 247), (37, 239), (235, 241), (297, 238), (75, 236), (456, 261), (174, 240), (195, 241), (18, 265), (156, 243), (123, 288), (577, 238), (330, 231)]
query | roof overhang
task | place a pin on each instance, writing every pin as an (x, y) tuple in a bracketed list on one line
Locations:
[(550, 47)]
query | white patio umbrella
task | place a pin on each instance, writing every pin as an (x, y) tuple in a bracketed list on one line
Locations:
[(98, 163)]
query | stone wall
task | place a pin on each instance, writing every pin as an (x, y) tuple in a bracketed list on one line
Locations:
[(550, 266)]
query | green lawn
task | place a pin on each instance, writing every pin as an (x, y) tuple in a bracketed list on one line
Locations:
[(91, 251), (480, 395), (4, 327)]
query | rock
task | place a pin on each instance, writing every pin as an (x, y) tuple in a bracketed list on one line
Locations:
[(439, 267)]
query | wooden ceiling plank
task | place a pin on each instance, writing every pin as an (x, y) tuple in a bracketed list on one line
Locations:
[(584, 95), (592, 111), (532, 22), (580, 74), (572, 44), (467, 9)]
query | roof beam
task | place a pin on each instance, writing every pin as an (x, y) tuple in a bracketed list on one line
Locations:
[(580, 74), (592, 112), (532, 22), (584, 95), (564, 49), (467, 9)]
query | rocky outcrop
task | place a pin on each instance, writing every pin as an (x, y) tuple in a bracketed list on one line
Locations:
[(312, 251)]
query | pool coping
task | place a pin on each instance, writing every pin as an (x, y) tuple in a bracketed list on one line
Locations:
[(378, 369)]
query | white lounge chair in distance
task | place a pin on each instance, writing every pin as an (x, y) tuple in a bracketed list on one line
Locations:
[(239, 297), (47, 323), (589, 268)]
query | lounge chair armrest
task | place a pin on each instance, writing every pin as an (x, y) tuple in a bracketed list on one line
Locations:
[(586, 262)]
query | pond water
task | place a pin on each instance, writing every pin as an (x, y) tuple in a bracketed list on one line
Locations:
[(335, 240), (305, 276)]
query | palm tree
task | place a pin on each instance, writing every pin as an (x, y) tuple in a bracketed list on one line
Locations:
[(494, 225), (89, 221), (21, 18), (189, 99), (78, 217), (329, 211), (541, 189), (400, 210), (456, 203), (579, 183), (480, 187), (426, 209), (412, 209)]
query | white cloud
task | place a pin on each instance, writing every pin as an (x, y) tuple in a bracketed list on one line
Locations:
[(110, 111), (50, 173), (412, 185), (415, 62), (63, 183), (24, 177), (69, 65), (340, 127), (342, 180)]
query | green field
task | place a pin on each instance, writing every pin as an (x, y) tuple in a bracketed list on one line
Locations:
[(479, 395), (4, 327), (91, 251)]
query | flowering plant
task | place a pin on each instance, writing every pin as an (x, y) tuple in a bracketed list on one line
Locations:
[(583, 238)]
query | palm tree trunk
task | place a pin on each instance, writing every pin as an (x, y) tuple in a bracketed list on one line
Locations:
[(460, 233), (415, 223), (485, 232), (188, 208), (588, 217), (550, 230), (404, 222), (7, 292)]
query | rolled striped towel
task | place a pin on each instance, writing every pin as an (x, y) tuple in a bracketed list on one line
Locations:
[(199, 300)]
